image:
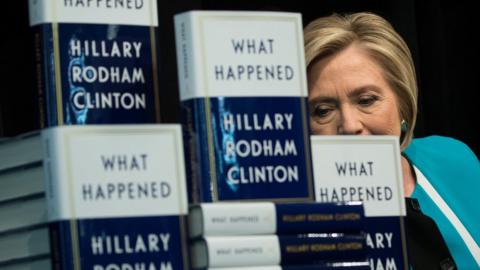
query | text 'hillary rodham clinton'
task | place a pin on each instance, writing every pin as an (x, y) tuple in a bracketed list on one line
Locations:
[(243, 148)]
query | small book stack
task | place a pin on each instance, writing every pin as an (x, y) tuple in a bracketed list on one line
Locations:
[(243, 94), (94, 197), (24, 242), (267, 235)]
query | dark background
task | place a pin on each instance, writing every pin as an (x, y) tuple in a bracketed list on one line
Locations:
[(440, 34)]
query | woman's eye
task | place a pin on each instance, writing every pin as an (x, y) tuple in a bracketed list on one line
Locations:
[(321, 111), (367, 100)]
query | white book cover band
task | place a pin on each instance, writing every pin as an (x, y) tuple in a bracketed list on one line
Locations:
[(116, 196), (243, 95), (96, 61)]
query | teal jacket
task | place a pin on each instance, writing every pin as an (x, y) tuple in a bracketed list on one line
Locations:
[(452, 173)]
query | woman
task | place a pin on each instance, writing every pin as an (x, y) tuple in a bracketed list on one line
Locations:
[(361, 81)]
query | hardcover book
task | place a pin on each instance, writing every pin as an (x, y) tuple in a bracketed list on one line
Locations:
[(37, 263), (243, 95), (96, 61), (23, 182), (255, 218), (22, 214), (344, 265), (264, 250), (24, 245), (368, 169), (116, 197), (24, 150)]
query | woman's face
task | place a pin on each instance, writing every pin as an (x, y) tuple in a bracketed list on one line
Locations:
[(349, 95)]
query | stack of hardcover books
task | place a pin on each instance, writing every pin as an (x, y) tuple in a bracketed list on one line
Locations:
[(267, 235), (23, 228), (103, 196), (94, 197), (243, 94)]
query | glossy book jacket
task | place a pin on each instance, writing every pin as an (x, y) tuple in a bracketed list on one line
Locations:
[(96, 61), (243, 95), (116, 197), (367, 169)]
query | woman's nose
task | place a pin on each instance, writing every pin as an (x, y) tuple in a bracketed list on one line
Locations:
[(349, 123)]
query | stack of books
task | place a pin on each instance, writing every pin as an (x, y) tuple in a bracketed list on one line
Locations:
[(24, 241), (267, 235), (82, 197), (243, 94)]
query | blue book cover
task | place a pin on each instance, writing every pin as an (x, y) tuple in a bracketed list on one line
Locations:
[(264, 250), (116, 197), (96, 61), (367, 169), (243, 95), (256, 218)]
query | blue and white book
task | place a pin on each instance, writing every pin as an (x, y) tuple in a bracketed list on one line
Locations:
[(334, 265), (367, 169), (256, 218), (96, 61), (243, 94), (265, 250), (24, 245), (19, 152), (116, 196)]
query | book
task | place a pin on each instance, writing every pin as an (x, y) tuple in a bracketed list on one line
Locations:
[(244, 110), (236, 251), (252, 218), (21, 150), (341, 265), (368, 169), (37, 263), (25, 213), (22, 245), (116, 196), (96, 62), (21, 182)]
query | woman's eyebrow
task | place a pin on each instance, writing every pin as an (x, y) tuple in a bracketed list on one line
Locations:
[(362, 89), (322, 99)]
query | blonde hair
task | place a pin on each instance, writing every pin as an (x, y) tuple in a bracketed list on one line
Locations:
[(329, 35)]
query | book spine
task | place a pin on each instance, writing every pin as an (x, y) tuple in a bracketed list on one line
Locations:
[(59, 231), (193, 113), (276, 218), (320, 217), (97, 68), (340, 265), (61, 245), (40, 37), (277, 250)]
